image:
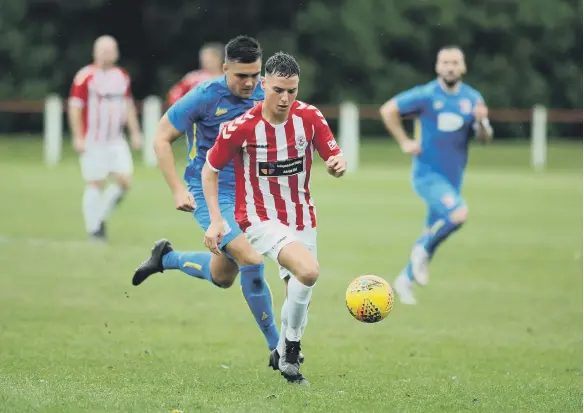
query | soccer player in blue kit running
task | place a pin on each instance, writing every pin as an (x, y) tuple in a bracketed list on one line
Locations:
[(200, 115), (449, 113)]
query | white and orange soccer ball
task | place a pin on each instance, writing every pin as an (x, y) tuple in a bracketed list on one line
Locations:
[(369, 298)]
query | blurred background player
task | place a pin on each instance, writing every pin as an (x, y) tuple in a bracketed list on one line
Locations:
[(273, 145), (100, 105), (211, 61), (199, 115), (449, 113)]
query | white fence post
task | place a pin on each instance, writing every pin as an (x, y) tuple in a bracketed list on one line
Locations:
[(53, 129), (151, 114), (539, 137), (349, 134)]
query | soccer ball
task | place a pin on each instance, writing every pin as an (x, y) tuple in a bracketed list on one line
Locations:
[(369, 298)]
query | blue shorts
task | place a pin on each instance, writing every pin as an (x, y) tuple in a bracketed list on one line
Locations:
[(201, 214), (440, 195)]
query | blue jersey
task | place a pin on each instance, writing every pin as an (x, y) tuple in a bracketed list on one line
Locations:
[(444, 126), (200, 115)]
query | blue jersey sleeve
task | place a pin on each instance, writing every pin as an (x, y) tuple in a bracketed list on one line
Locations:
[(412, 101), (190, 109), (480, 98)]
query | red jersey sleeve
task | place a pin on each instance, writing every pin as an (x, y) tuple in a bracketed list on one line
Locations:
[(176, 92), (227, 146), (324, 141), (128, 93), (79, 91)]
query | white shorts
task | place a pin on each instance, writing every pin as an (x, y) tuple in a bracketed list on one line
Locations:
[(99, 160), (269, 237)]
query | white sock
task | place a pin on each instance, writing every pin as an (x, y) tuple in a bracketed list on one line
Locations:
[(298, 300), (92, 208), (304, 322), (282, 342), (284, 317), (111, 197), (404, 275)]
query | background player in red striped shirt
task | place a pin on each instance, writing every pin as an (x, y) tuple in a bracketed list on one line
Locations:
[(273, 145), (211, 61), (100, 105)]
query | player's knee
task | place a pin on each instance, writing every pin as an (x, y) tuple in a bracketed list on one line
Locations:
[(308, 273), (223, 280), (124, 181), (459, 215), (251, 258), (96, 184), (242, 252)]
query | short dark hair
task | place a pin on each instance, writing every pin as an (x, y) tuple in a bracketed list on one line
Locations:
[(282, 64), (243, 49), (218, 48)]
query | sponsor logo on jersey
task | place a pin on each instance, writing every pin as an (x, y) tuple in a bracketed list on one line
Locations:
[(289, 167)]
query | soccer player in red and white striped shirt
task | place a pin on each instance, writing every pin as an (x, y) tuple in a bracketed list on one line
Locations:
[(211, 60), (100, 105), (273, 146)]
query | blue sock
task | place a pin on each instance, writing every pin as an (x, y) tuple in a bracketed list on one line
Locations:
[(195, 264), (409, 272), (440, 231), (259, 298)]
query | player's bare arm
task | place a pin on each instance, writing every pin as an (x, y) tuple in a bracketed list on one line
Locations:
[(393, 123), (76, 125), (166, 134), (223, 151), (482, 126), (216, 231), (133, 124)]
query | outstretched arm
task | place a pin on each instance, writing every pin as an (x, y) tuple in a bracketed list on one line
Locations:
[(411, 101), (326, 146), (77, 100), (223, 151), (482, 126), (391, 117), (216, 230), (166, 134), (136, 138)]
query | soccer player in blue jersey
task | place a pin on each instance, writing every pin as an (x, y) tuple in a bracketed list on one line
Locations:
[(200, 115), (449, 113)]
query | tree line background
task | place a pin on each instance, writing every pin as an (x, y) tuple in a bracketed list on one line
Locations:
[(519, 52)]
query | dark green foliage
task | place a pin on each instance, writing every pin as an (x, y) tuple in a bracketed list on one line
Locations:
[(519, 52)]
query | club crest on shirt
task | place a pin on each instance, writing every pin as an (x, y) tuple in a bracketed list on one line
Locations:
[(301, 143), (438, 105), (448, 201), (465, 106)]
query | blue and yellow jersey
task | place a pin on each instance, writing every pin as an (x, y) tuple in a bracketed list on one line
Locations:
[(444, 125), (200, 114)]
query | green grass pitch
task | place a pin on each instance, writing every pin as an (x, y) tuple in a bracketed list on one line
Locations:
[(498, 329)]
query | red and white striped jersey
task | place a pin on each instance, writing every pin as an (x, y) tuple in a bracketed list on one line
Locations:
[(189, 81), (273, 163), (103, 96)]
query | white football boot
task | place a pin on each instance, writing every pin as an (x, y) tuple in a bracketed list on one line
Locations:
[(420, 260), (403, 286)]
